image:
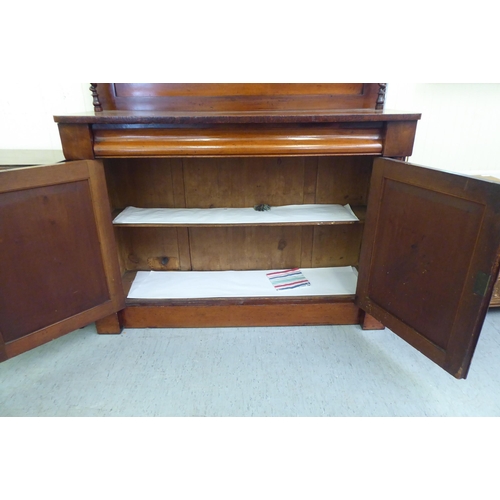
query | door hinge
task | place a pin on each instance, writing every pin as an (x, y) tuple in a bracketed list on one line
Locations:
[(481, 283)]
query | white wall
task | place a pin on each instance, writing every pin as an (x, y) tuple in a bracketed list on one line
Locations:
[(460, 125), (458, 131), (27, 110)]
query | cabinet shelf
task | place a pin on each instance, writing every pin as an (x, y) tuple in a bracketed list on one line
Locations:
[(308, 214), (239, 311), (188, 285)]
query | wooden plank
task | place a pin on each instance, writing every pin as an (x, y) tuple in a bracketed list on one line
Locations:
[(185, 263), (239, 315), (254, 247), (306, 246), (344, 180), (144, 182), (243, 182), (150, 248), (238, 247), (310, 180), (234, 89), (337, 245), (178, 187), (235, 96)]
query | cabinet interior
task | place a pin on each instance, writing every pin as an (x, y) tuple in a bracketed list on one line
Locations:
[(237, 182)]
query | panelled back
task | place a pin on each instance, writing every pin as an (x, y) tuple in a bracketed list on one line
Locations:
[(235, 97)]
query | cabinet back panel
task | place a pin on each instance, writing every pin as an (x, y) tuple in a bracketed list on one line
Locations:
[(233, 89), (274, 247), (344, 179), (336, 245), (237, 182), (238, 248), (145, 183), (244, 182), (152, 248), (198, 97)]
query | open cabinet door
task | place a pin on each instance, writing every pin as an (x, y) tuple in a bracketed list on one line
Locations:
[(58, 263), (430, 257)]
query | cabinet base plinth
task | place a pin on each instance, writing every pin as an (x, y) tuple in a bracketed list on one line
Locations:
[(240, 315), (109, 325), (370, 323)]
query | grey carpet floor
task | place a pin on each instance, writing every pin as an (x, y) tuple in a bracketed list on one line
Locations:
[(289, 371)]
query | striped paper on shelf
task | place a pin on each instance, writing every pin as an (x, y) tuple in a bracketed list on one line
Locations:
[(288, 279)]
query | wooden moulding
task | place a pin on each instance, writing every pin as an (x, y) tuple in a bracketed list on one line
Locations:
[(232, 141), (247, 313), (212, 117)]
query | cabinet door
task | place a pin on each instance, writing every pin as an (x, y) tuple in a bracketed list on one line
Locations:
[(58, 262), (430, 257)]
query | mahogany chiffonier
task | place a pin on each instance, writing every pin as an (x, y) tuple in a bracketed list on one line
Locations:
[(201, 205)]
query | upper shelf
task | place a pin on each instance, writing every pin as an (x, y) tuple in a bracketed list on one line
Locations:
[(282, 215)]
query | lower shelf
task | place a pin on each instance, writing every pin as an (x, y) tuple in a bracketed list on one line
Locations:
[(329, 300), (325, 281)]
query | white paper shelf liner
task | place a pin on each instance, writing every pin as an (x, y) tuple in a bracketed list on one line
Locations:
[(218, 284), (283, 214)]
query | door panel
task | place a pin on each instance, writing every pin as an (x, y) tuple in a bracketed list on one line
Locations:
[(430, 257), (58, 261)]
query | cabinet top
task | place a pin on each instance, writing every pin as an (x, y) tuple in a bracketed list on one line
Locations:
[(234, 117), (192, 104)]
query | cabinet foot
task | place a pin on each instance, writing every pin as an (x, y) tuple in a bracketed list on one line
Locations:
[(370, 323), (3, 354), (109, 324)]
